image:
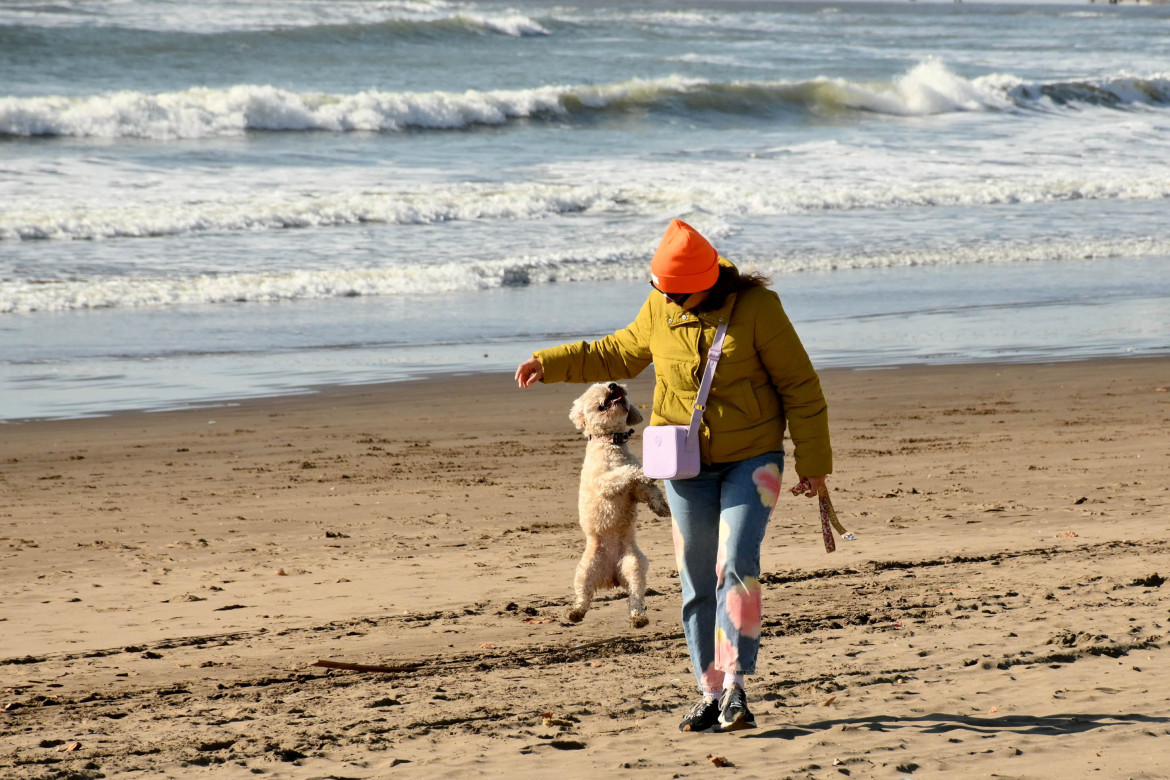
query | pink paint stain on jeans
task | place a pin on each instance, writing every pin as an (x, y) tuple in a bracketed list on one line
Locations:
[(745, 607), (712, 679), (726, 654), (767, 482)]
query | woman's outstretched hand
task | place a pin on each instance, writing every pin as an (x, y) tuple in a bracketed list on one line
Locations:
[(529, 372)]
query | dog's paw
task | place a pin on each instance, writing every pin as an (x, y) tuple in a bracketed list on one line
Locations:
[(660, 508), (574, 615), (657, 504), (639, 620)]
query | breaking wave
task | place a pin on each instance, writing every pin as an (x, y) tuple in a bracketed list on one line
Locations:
[(929, 88)]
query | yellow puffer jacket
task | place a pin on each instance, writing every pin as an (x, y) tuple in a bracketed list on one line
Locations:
[(763, 378)]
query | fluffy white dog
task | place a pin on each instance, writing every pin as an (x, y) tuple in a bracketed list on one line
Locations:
[(612, 486)]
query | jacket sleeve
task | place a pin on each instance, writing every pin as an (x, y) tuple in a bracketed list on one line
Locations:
[(796, 381), (620, 355)]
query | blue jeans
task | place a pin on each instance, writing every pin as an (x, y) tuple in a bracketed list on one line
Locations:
[(719, 520)]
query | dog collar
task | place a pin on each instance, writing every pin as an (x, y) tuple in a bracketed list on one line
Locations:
[(615, 438)]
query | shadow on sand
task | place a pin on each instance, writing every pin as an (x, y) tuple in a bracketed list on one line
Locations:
[(941, 723)]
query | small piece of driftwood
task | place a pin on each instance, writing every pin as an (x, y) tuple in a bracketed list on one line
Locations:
[(365, 667)]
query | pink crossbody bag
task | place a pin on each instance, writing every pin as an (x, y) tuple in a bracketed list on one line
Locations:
[(672, 451)]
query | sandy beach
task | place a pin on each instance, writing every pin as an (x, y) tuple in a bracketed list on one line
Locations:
[(169, 581)]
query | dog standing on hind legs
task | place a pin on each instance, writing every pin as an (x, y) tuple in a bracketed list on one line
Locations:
[(612, 486)]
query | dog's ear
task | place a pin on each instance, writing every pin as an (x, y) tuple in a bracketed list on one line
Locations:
[(577, 413), (633, 416)]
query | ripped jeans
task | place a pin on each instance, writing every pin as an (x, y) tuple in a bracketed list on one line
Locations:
[(719, 520)]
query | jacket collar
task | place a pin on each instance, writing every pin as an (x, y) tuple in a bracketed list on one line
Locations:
[(721, 315), (677, 316)]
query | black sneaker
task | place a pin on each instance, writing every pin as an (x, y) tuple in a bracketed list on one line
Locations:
[(733, 710), (704, 716)]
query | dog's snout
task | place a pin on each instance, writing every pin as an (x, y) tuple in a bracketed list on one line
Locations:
[(616, 394)]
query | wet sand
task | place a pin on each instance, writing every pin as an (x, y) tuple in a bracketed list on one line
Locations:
[(169, 580)]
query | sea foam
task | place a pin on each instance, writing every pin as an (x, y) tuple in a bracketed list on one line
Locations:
[(602, 264), (216, 17), (737, 194), (299, 209)]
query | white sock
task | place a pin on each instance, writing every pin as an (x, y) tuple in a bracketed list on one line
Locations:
[(711, 694), (730, 679)]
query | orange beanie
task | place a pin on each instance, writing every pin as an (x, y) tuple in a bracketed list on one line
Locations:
[(685, 261)]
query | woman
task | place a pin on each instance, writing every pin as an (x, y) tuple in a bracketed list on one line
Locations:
[(763, 381)]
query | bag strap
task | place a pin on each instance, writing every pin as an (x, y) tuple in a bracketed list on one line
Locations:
[(713, 356)]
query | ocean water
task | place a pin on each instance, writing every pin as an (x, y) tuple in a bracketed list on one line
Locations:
[(203, 201)]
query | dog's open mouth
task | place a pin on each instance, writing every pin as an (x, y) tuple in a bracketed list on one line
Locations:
[(616, 395)]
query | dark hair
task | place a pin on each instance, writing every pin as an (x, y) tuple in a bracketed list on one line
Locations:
[(730, 281)]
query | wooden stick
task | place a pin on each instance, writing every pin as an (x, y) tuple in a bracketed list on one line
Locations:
[(365, 667)]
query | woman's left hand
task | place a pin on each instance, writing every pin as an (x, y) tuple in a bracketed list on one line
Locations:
[(529, 372), (814, 485)]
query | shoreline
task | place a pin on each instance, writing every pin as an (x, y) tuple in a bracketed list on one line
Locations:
[(444, 376), (112, 360)]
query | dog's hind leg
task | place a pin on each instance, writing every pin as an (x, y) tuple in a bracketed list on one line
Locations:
[(584, 584), (634, 566)]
